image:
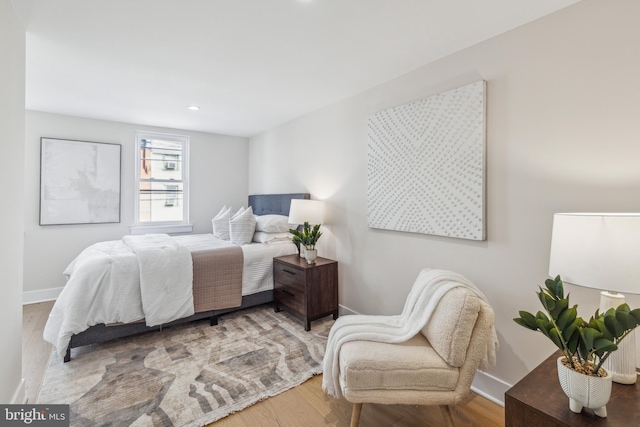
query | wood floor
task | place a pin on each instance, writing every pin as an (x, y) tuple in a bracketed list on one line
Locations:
[(303, 406)]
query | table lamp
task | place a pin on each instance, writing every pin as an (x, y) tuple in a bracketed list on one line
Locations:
[(601, 251), (305, 210)]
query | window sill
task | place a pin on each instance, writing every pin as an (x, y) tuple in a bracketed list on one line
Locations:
[(168, 229)]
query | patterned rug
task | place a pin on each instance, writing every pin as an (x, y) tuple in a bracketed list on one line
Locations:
[(187, 375)]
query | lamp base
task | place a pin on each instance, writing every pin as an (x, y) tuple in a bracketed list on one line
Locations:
[(622, 362)]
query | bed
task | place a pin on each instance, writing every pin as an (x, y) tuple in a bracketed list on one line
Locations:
[(209, 301)]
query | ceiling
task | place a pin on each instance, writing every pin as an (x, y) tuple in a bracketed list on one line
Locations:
[(249, 64)]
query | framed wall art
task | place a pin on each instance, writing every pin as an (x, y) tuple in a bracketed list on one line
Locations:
[(79, 182), (426, 165)]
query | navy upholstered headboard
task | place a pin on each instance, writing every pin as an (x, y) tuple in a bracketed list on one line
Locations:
[(264, 204)]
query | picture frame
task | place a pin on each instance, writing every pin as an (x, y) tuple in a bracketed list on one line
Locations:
[(79, 182), (426, 165)]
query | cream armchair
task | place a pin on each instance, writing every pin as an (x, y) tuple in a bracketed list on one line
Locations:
[(435, 367)]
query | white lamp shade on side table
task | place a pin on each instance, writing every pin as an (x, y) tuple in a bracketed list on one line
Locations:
[(304, 210)]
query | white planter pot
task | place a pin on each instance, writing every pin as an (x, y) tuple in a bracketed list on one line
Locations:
[(584, 390), (311, 255)]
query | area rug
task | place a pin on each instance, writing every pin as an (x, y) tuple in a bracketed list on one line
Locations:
[(187, 375)]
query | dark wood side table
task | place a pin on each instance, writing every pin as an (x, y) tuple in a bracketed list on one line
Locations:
[(538, 401), (308, 291)]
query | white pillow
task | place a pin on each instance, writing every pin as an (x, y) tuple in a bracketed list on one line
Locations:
[(263, 237), (224, 208), (273, 223), (221, 225), (237, 213), (242, 226)]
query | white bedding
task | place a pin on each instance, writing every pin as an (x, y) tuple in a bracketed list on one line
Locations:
[(103, 284), (257, 272), (166, 277)]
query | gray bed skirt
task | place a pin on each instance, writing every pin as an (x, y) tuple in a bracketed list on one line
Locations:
[(102, 333)]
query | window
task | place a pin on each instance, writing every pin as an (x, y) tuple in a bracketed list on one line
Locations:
[(162, 183)]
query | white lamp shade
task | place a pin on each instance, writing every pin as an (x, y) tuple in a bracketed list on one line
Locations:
[(597, 250), (304, 210)]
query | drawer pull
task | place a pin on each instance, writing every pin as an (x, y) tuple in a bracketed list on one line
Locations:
[(289, 272), (288, 293)]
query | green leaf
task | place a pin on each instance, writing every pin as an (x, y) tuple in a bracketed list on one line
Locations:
[(613, 326), (529, 319), (547, 302), (588, 336), (551, 287), (569, 331), (559, 286), (567, 316), (600, 326), (559, 307), (635, 313), (295, 232), (572, 344), (624, 307), (601, 345), (521, 322), (543, 301), (541, 316), (627, 320), (556, 290), (555, 337), (544, 327)]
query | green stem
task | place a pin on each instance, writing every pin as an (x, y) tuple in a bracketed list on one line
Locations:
[(565, 347)]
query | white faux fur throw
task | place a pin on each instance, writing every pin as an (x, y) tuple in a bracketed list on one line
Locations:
[(424, 297)]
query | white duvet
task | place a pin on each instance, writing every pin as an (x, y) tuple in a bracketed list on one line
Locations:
[(166, 277), (104, 284)]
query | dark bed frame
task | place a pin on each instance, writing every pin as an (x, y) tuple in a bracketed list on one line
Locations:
[(262, 204)]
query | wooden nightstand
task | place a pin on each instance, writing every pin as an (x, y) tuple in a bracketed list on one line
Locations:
[(308, 291)]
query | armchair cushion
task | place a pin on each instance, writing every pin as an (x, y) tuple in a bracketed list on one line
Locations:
[(368, 366), (449, 330)]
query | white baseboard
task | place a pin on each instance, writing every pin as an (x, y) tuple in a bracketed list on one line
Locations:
[(490, 387), (484, 384), (32, 297), (20, 396)]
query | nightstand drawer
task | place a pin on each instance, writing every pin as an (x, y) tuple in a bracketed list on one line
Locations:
[(290, 276), (290, 297)]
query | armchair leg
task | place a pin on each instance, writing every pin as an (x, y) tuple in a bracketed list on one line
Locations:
[(446, 414), (355, 414)]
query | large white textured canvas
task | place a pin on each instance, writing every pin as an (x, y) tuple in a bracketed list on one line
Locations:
[(79, 182), (426, 165)]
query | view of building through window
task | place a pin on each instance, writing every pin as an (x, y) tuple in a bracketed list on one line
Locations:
[(161, 179)]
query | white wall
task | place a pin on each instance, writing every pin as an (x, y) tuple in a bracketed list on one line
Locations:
[(12, 71), (218, 176), (563, 135)]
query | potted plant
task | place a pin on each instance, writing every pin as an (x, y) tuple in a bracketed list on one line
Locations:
[(585, 344), (307, 237)]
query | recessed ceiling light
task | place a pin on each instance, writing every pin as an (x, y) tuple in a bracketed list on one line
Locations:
[(193, 107)]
